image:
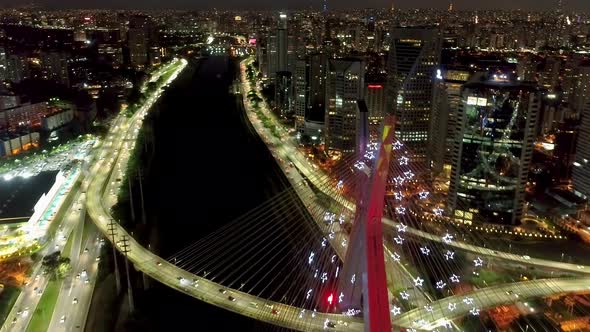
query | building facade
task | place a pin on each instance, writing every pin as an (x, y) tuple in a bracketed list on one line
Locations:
[(495, 132), (414, 56), (344, 87)]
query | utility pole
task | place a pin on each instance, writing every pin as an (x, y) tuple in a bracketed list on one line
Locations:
[(125, 248), (112, 233), (143, 217)]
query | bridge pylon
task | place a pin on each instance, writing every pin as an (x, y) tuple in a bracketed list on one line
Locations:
[(363, 282)]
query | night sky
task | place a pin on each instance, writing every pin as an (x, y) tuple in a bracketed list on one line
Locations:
[(285, 4)]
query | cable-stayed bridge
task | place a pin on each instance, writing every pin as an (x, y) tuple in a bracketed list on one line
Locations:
[(287, 262)]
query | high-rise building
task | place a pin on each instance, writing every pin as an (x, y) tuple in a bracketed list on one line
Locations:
[(447, 96), (282, 43), (3, 64), (317, 87), (284, 92), (138, 40), (414, 56), (55, 66), (18, 67), (581, 91), (375, 101), (495, 131), (301, 92), (344, 87)]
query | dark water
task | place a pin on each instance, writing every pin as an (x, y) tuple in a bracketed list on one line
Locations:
[(209, 168)]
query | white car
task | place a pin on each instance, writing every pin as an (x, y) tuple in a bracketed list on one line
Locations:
[(526, 257), (75, 300), (62, 319)]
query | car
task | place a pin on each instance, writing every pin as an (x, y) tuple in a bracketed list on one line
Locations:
[(14, 320), (222, 291), (97, 258), (181, 280), (83, 273), (62, 319), (331, 325), (19, 312), (159, 263), (75, 300), (40, 292), (86, 281), (25, 312), (231, 298), (85, 249), (34, 289), (37, 277), (254, 304), (78, 276), (274, 311), (526, 257)]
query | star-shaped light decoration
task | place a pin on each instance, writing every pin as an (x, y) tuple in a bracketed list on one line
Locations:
[(425, 250), (448, 238), (404, 295), (423, 194), (448, 324), (474, 311), (438, 212), (449, 255), (370, 155), (396, 310), (359, 165), (418, 282), (455, 278), (395, 256), (342, 219), (398, 239), (308, 294), (301, 313), (340, 185), (333, 258), (440, 284), (353, 279), (478, 262), (340, 297), (324, 241), (468, 300), (324, 277), (399, 180), (398, 195), (400, 210), (343, 243), (409, 175), (332, 235), (310, 259), (452, 306), (397, 145), (401, 228), (428, 308), (403, 160)]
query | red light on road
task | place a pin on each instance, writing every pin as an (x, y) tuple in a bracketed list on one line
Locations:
[(330, 298), (375, 86)]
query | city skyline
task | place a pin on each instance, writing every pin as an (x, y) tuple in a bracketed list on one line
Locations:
[(315, 4)]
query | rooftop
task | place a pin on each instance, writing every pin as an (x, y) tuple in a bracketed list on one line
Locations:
[(19, 195)]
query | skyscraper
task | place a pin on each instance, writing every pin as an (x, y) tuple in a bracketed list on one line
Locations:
[(414, 55), (55, 66), (138, 40), (344, 87), (301, 92), (495, 131), (447, 97), (282, 43)]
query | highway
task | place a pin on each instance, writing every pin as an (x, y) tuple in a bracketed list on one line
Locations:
[(75, 294), (101, 185), (29, 297)]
